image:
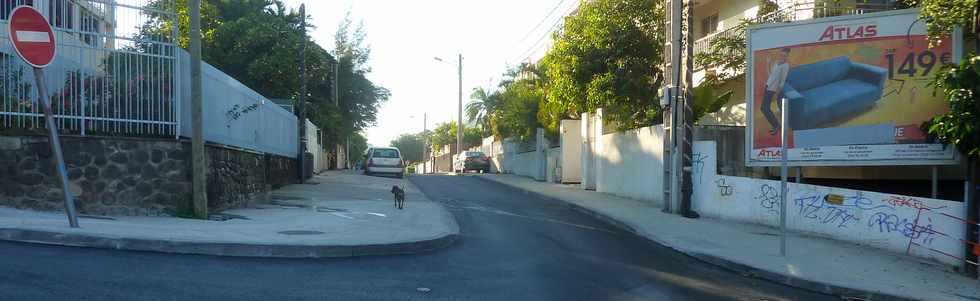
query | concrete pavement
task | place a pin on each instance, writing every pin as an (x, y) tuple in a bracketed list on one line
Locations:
[(337, 214), (817, 264)]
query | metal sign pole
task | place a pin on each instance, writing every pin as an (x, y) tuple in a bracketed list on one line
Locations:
[(42, 92), (784, 174)]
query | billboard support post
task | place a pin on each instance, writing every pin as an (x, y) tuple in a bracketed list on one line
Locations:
[(935, 181), (783, 175)]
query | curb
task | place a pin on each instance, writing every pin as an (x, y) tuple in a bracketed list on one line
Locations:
[(743, 269), (225, 249)]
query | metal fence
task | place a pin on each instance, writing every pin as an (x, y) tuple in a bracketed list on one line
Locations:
[(114, 72)]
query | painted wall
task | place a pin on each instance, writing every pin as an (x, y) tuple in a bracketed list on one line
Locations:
[(897, 223), (730, 13), (630, 164), (267, 128), (571, 157), (553, 168), (525, 164)]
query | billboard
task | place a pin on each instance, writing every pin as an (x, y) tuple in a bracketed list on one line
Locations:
[(856, 89)]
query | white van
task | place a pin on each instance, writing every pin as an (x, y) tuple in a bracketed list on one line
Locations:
[(384, 160)]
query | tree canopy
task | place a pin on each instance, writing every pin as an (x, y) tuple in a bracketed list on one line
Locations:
[(609, 55), (257, 42)]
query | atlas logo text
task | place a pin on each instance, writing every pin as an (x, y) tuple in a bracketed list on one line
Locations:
[(844, 32)]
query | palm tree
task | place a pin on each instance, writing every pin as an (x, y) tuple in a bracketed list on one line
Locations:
[(481, 107)]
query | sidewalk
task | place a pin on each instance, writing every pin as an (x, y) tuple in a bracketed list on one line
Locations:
[(818, 264), (342, 214)]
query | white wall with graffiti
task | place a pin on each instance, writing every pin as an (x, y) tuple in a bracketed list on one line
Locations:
[(928, 228)]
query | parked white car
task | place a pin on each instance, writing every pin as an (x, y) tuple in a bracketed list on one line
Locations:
[(384, 160)]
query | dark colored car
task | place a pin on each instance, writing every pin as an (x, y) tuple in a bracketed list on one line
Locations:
[(477, 161)]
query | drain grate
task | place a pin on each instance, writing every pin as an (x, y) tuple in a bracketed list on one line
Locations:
[(300, 232), (97, 217), (220, 217)]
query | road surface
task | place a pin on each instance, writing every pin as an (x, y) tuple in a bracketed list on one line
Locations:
[(512, 246)]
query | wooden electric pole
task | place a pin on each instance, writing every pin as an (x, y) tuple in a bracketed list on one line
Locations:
[(198, 160)]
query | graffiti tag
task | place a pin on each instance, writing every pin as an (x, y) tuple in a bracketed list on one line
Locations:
[(815, 208), (768, 198), (889, 223), (910, 202), (723, 188), (697, 161)]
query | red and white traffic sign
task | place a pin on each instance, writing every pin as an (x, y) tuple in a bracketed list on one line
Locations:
[(31, 35)]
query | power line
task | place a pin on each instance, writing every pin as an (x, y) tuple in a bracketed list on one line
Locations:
[(542, 21), (546, 34)]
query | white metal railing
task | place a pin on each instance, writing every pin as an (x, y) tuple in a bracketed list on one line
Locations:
[(115, 72)]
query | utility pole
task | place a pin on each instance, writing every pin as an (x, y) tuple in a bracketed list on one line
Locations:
[(301, 100), (197, 136), (424, 140), (671, 185), (687, 116), (336, 103), (459, 122)]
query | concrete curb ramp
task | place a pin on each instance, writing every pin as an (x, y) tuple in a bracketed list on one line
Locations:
[(226, 249), (743, 269)]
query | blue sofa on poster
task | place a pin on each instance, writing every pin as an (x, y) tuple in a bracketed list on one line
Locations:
[(830, 91)]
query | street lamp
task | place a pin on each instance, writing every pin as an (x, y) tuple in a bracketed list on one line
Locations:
[(459, 121)]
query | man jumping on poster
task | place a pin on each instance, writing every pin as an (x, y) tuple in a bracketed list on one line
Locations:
[(778, 70)]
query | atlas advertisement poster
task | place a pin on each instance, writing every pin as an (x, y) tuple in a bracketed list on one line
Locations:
[(857, 90)]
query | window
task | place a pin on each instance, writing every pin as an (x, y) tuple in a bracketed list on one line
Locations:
[(61, 14), (90, 29), (385, 153), (709, 25), (474, 154), (8, 5)]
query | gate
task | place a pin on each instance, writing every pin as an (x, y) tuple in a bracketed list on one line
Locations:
[(114, 73)]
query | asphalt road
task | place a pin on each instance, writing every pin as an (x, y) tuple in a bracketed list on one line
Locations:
[(512, 246)]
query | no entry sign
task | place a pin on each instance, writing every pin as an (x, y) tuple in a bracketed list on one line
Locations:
[(32, 36), (33, 40)]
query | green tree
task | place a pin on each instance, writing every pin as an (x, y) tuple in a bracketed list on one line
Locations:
[(481, 109), (609, 55), (360, 98), (518, 116), (410, 145), (445, 134), (960, 85), (961, 125)]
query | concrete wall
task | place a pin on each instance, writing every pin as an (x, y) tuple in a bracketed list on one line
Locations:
[(571, 157), (266, 128), (525, 164), (587, 150), (553, 167), (630, 164), (881, 220), (127, 176)]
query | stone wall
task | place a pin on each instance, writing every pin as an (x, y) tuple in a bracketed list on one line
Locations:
[(127, 176)]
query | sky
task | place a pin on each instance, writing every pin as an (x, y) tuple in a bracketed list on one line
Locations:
[(406, 36)]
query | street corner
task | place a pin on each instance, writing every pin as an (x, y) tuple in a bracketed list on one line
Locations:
[(269, 231)]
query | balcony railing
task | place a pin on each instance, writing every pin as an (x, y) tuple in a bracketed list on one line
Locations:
[(794, 12)]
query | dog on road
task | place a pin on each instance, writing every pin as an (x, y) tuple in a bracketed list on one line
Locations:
[(399, 196)]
